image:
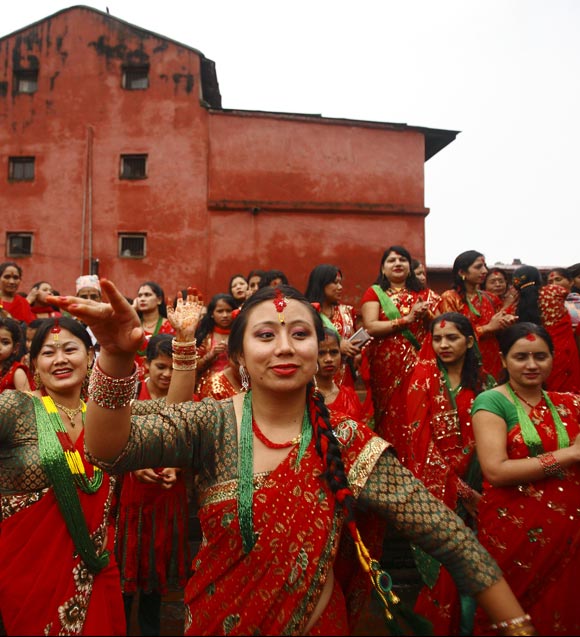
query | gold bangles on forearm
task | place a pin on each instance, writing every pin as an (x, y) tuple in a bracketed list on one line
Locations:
[(517, 626), (112, 393), (184, 356), (552, 468)]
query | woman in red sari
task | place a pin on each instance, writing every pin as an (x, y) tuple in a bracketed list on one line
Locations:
[(396, 312), (14, 374), (212, 338), (59, 574), (152, 311), (152, 530), (546, 305), (342, 399), (325, 288), (277, 478), (442, 450), (10, 301), (483, 309), (529, 450)]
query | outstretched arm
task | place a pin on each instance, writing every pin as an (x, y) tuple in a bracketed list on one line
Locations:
[(118, 330), (184, 319)]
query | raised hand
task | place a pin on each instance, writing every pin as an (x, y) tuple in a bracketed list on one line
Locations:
[(115, 324), (184, 318)]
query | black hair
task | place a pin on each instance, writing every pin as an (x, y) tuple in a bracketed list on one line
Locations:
[(563, 272), (159, 345), (319, 277), (76, 328), (272, 275), (495, 270), (327, 446), (158, 291), (232, 278), (411, 283), (462, 262), (507, 337), (15, 329), (527, 280), (255, 272), (8, 264), (207, 322), (471, 376)]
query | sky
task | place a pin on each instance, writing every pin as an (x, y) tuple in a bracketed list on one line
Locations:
[(505, 73)]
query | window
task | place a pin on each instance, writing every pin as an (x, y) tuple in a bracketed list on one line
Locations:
[(132, 246), (18, 244), (135, 78), (133, 166), (26, 81), (21, 168)]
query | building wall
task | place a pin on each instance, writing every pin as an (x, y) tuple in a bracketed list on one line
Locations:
[(226, 190)]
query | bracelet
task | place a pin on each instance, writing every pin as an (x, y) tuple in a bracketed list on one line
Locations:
[(397, 323), (184, 348), (184, 356), (523, 630), (184, 365), (512, 623), (552, 468), (112, 393)]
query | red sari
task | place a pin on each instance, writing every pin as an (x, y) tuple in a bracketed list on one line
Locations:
[(278, 583), (152, 533), (45, 588), (556, 319), (485, 305), (391, 361), (533, 530), (19, 309), (441, 452), (7, 381)]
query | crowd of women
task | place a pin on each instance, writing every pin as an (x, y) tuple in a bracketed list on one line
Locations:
[(301, 428)]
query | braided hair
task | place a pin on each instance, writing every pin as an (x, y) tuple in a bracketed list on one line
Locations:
[(527, 280), (326, 443)]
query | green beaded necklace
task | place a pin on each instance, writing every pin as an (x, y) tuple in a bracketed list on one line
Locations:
[(246, 469), (528, 429), (58, 469)]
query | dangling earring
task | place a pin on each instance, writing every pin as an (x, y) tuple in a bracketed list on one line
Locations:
[(36, 380), (244, 378), (315, 383), (85, 387)]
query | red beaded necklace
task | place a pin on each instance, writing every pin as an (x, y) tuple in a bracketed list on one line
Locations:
[(524, 400), (273, 445)]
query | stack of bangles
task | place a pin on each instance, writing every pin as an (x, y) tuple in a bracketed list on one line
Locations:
[(552, 468), (398, 323), (184, 356), (112, 393), (516, 626)]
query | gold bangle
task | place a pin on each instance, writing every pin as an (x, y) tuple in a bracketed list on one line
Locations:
[(510, 623)]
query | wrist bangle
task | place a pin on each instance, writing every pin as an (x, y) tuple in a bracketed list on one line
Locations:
[(552, 468), (112, 393), (512, 623), (184, 356)]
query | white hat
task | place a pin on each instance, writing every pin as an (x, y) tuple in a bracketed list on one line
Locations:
[(88, 281)]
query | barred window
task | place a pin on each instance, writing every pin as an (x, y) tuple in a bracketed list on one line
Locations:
[(18, 244), (26, 80), (21, 168), (132, 246), (133, 166), (135, 78)]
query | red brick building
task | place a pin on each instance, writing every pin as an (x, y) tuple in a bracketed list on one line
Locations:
[(115, 150)]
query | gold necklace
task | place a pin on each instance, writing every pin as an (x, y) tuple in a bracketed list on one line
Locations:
[(71, 413)]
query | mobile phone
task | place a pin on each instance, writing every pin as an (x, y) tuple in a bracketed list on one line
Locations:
[(360, 337)]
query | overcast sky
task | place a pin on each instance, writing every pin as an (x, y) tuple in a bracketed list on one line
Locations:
[(506, 73)]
